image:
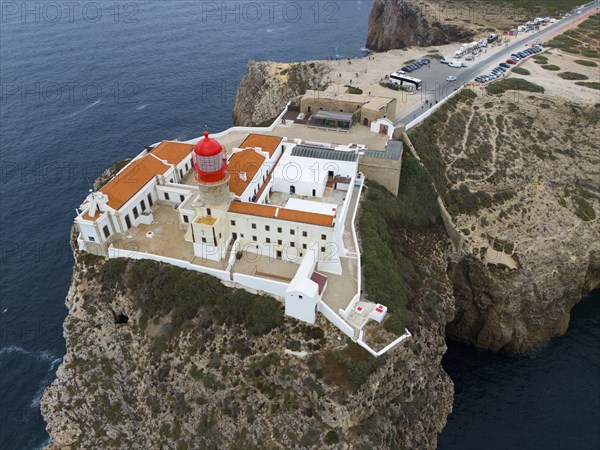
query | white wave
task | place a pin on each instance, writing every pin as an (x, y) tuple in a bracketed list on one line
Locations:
[(139, 108), (269, 30), (44, 355), (83, 109), (35, 401)]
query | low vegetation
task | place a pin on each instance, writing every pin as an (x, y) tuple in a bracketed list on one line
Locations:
[(521, 71), (586, 62), (590, 84), (350, 367), (552, 67), (353, 89), (389, 273), (583, 40), (162, 290), (513, 84), (572, 76)]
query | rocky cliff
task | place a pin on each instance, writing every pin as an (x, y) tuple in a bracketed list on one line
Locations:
[(517, 169), (267, 87), (404, 23), (160, 356)]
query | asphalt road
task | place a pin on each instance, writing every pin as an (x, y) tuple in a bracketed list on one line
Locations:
[(435, 86)]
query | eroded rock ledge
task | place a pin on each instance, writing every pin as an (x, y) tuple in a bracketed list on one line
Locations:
[(136, 379)]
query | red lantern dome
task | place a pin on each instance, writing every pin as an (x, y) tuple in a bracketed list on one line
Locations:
[(210, 160)]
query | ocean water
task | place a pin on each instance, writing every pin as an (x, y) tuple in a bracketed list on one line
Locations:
[(86, 85), (547, 399)]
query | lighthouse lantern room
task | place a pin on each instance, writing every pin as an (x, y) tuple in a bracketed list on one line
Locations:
[(210, 161)]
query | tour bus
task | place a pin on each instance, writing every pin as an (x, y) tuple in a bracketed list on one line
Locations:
[(399, 79)]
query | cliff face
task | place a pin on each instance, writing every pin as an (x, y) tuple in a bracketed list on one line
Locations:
[(397, 24), (518, 173), (135, 379), (267, 87)]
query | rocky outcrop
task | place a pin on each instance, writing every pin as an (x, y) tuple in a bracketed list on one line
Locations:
[(517, 175), (130, 380), (267, 87), (395, 24)]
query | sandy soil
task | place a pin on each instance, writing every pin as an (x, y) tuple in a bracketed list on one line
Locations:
[(556, 86)]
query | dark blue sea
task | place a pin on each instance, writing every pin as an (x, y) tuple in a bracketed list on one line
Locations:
[(86, 84)]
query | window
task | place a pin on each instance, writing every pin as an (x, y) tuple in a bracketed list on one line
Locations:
[(143, 205), (150, 200), (180, 174), (127, 221), (267, 228), (242, 235), (254, 238), (279, 229), (292, 244), (220, 235), (91, 239), (299, 296), (279, 242), (186, 167), (171, 180), (135, 213), (268, 240), (204, 240), (234, 236), (106, 231), (181, 198), (304, 234), (292, 232), (233, 223), (186, 219), (167, 196), (323, 236), (208, 211), (254, 226), (304, 246), (323, 249)]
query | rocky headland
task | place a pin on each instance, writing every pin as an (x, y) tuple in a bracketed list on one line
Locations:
[(157, 355)]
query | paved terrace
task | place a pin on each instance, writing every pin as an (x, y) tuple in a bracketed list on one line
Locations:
[(265, 267), (358, 134), (169, 239)]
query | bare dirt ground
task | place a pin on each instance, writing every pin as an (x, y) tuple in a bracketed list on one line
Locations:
[(558, 87)]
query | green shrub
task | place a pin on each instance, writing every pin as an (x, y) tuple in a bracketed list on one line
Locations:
[(550, 67), (521, 71), (513, 84), (591, 84), (585, 62), (388, 271), (353, 89), (331, 438), (572, 76)]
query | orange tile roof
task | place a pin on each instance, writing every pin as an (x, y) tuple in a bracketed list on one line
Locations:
[(247, 161), (128, 182), (172, 152), (86, 216), (257, 209), (306, 217), (253, 209), (266, 143)]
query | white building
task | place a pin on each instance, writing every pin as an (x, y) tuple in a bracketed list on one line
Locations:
[(269, 197)]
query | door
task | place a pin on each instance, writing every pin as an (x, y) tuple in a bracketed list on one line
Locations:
[(128, 221), (383, 129), (366, 122), (292, 189)]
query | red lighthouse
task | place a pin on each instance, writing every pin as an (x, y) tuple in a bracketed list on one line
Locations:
[(210, 161)]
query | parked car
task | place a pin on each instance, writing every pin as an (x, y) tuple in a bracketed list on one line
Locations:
[(511, 61), (503, 64), (444, 61), (501, 69), (425, 61), (451, 78)]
